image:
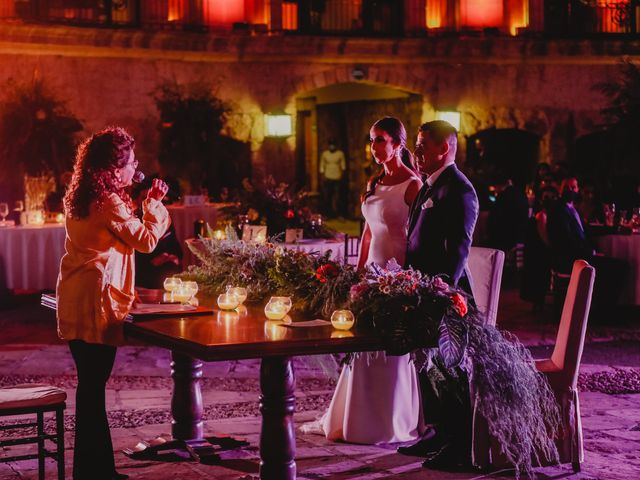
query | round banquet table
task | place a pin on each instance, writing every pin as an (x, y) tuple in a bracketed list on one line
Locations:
[(183, 218), (30, 256), (625, 247)]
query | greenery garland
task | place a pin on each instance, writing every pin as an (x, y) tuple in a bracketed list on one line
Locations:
[(413, 313)]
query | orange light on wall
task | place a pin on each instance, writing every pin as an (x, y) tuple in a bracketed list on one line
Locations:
[(518, 15), (175, 10), (289, 16), (481, 13), (218, 12), (436, 11)]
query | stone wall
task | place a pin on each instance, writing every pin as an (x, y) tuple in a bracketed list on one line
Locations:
[(108, 77)]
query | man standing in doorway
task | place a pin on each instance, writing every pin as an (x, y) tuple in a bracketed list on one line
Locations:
[(332, 167)]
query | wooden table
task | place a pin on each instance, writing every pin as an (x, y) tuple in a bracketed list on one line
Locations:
[(234, 336)]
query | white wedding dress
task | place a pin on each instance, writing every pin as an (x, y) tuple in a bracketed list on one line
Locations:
[(377, 398)]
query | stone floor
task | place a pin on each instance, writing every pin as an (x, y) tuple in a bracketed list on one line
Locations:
[(139, 394)]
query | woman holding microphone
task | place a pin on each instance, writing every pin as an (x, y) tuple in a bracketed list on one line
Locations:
[(95, 286)]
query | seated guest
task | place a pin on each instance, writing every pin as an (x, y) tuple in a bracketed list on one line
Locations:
[(568, 242), (165, 261), (508, 216)]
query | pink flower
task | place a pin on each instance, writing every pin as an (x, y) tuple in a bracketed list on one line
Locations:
[(439, 285)]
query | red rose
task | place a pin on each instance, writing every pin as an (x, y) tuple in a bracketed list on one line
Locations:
[(459, 304), (325, 271), (290, 214)]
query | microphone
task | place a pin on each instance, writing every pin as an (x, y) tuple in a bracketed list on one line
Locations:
[(138, 177)]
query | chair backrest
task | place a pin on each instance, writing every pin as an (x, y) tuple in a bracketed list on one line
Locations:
[(573, 322), (485, 266), (351, 249)]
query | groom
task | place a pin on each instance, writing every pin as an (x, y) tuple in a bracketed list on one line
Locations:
[(441, 223)]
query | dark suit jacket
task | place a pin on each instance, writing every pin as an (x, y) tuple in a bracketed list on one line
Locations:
[(567, 238), (440, 236)]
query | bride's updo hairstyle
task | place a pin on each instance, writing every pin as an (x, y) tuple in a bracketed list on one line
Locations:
[(395, 129)]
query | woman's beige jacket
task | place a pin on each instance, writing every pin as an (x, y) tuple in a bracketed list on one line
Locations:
[(95, 286)]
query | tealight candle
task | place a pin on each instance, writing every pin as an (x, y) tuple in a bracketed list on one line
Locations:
[(182, 294), (191, 286), (227, 301), (60, 218), (171, 283), (219, 235), (286, 301), (342, 319), (275, 310), (239, 292)]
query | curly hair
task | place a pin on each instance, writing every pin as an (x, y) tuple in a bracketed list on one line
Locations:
[(94, 171)]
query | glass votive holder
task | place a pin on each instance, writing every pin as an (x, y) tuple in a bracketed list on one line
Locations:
[(171, 283), (191, 286), (286, 301), (239, 292), (182, 294), (167, 297), (342, 319), (226, 301), (275, 310)]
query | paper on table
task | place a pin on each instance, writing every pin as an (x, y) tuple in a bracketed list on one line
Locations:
[(308, 323), (149, 308)]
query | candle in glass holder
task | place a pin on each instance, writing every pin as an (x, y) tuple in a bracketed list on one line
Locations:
[(342, 319), (219, 235), (227, 301), (171, 283), (182, 294), (239, 292), (167, 297), (191, 286), (60, 218), (286, 301), (275, 310)]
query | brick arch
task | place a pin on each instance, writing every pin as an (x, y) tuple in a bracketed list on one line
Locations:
[(388, 76)]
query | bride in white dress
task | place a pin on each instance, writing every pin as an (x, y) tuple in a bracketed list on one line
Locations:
[(377, 398)]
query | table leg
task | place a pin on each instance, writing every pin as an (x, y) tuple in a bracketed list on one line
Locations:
[(277, 404), (186, 402)]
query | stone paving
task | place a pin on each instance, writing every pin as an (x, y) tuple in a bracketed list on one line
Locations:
[(138, 398)]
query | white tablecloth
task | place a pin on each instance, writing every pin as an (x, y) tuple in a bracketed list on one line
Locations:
[(625, 247), (183, 218), (30, 256)]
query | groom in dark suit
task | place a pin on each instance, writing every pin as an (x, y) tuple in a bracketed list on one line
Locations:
[(441, 223)]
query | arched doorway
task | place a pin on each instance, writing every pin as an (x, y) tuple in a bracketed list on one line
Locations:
[(344, 113)]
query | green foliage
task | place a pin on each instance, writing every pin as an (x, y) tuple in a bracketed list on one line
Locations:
[(411, 312), (37, 132), (624, 96), (191, 118)]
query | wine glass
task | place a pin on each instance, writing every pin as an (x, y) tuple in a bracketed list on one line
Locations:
[(4, 210)]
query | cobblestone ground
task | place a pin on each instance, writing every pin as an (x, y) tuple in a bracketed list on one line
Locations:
[(138, 397)]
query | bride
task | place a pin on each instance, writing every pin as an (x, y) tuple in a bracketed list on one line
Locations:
[(377, 398)]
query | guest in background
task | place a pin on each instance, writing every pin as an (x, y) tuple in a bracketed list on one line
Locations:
[(568, 242), (166, 259), (508, 216), (590, 207), (95, 285), (332, 167), (537, 256)]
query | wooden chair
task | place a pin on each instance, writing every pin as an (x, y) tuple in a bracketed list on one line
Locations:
[(351, 248), (485, 266), (35, 399), (561, 369)]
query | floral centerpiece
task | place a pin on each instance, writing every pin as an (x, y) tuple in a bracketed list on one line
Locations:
[(412, 312), (279, 206)]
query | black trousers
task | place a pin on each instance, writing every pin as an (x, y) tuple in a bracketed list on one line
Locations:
[(93, 450)]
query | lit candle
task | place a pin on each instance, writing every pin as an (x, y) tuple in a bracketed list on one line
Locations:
[(171, 283), (227, 301), (261, 237), (239, 292), (182, 294), (219, 235), (342, 319), (275, 310), (191, 286), (60, 218)]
